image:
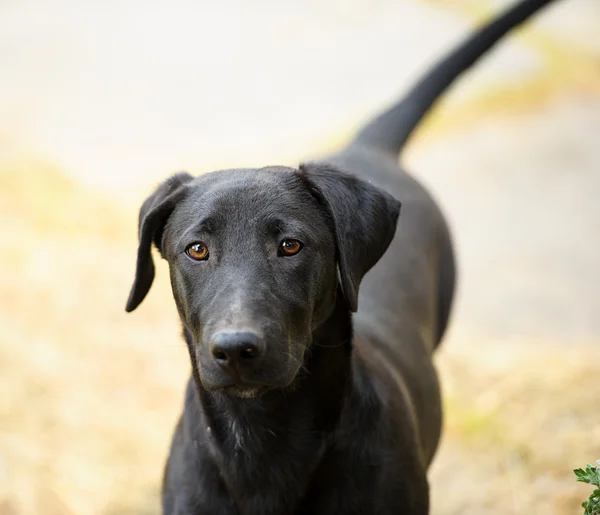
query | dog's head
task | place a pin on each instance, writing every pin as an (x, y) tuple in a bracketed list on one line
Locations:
[(254, 258)]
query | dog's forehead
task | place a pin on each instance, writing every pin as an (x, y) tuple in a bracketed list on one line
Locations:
[(253, 191)]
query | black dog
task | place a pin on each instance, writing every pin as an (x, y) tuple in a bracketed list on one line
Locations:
[(296, 406)]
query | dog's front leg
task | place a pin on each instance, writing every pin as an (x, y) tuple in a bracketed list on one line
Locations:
[(347, 484), (193, 494), (351, 502), (192, 483)]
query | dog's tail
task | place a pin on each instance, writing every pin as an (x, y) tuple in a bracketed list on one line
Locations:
[(391, 129)]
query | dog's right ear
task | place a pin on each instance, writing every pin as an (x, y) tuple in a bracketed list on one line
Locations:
[(154, 214)]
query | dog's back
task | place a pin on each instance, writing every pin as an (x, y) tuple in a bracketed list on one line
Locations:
[(405, 301), (421, 249)]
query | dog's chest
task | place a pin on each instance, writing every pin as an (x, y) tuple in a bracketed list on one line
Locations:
[(266, 470)]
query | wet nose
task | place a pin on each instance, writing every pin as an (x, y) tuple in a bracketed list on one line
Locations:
[(236, 349)]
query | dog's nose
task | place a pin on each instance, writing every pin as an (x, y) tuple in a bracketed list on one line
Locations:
[(236, 349)]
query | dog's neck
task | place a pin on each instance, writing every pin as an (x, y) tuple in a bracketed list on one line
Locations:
[(300, 419)]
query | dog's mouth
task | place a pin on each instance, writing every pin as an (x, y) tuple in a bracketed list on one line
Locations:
[(247, 385), (246, 391)]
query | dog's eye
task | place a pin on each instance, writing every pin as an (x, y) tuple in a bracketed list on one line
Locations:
[(290, 247), (197, 251)]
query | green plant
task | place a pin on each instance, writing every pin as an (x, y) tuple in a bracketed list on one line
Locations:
[(591, 476)]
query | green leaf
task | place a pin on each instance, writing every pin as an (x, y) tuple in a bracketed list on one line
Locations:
[(591, 476), (580, 473)]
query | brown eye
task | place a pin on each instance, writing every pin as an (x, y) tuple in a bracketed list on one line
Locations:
[(197, 251), (290, 247)]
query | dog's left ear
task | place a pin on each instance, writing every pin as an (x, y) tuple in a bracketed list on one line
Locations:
[(154, 214), (364, 219)]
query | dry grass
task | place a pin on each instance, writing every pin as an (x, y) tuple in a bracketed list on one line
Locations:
[(89, 395), (520, 416)]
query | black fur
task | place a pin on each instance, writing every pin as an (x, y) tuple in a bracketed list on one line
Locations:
[(310, 409)]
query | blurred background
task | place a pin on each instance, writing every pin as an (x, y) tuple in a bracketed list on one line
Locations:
[(101, 101)]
